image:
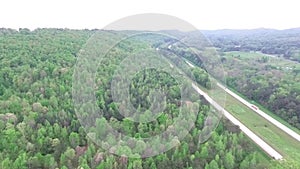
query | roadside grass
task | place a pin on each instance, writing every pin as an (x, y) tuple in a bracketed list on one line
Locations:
[(276, 117), (275, 137), (220, 97), (264, 161), (281, 63)]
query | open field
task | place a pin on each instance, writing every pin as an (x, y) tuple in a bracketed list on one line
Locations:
[(274, 62)]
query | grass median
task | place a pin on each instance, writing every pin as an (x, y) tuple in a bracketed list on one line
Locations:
[(275, 137)]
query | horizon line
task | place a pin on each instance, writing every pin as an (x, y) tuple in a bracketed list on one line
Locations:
[(218, 29)]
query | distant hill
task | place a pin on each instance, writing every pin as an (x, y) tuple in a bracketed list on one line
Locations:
[(284, 43), (258, 31)]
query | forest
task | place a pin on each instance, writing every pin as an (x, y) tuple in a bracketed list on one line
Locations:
[(271, 82), (39, 127), (282, 43), (263, 65)]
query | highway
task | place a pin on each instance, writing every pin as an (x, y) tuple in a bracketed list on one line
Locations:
[(261, 143), (191, 65), (267, 148), (263, 114), (258, 111)]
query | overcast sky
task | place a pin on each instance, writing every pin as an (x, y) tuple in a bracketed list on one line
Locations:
[(203, 14)]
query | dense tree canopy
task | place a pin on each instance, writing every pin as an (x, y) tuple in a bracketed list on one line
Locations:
[(273, 83), (39, 127)]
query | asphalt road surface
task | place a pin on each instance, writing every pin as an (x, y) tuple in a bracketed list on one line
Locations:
[(263, 114), (267, 148)]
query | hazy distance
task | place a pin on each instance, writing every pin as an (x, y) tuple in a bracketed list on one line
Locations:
[(204, 15)]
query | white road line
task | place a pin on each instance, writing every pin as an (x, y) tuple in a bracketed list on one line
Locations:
[(263, 114), (191, 65)]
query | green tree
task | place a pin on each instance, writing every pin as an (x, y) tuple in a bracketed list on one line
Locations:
[(204, 152), (20, 162), (49, 162), (74, 139), (229, 161), (245, 163), (212, 165), (6, 163)]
